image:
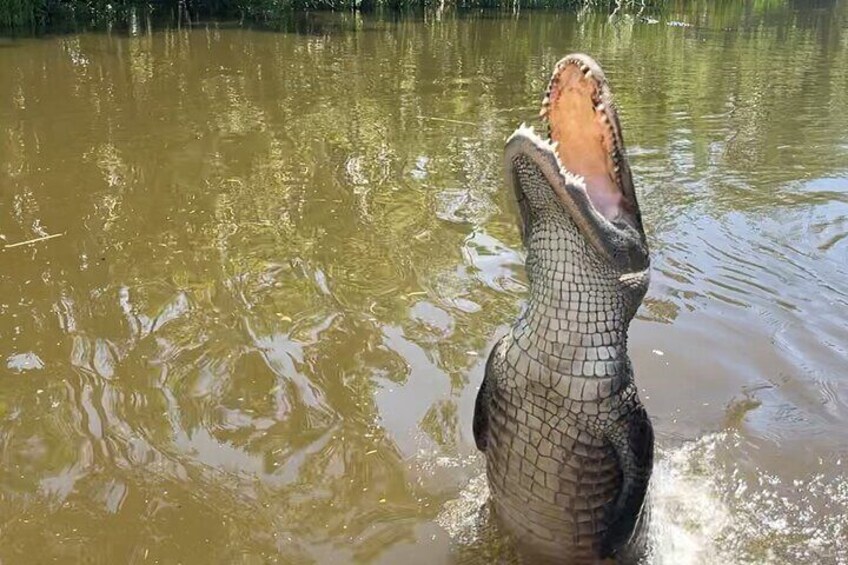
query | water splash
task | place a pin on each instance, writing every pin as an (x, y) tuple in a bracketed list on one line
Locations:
[(689, 514)]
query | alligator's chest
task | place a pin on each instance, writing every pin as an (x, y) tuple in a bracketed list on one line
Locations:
[(554, 378), (551, 478), (550, 470)]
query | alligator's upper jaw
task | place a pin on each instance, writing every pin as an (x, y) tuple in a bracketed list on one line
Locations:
[(581, 117), (583, 164)]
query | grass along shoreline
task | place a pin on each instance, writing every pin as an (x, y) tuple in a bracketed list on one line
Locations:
[(33, 15)]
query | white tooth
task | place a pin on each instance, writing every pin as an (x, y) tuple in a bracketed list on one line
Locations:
[(555, 145), (600, 107)]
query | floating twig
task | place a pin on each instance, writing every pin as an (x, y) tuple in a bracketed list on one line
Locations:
[(31, 241), (447, 120)]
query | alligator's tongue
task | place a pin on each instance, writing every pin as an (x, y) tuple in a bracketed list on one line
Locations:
[(579, 121)]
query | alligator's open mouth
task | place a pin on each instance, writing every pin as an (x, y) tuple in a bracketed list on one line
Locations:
[(583, 165), (584, 124)]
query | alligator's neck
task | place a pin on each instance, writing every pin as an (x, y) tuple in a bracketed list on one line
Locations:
[(562, 317), (575, 310)]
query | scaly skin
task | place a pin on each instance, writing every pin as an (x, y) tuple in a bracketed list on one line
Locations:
[(568, 444)]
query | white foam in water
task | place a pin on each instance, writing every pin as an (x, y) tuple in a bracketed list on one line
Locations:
[(688, 514), (460, 518), (705, 512)]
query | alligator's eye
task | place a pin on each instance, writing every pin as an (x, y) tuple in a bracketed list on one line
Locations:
[(583, 125)]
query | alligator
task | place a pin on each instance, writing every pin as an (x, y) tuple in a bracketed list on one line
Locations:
[(568, 444)]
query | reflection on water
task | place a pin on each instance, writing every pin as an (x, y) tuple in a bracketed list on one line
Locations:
[(282, 258)]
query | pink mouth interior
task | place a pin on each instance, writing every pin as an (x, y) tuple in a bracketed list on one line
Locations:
[(579, 122)]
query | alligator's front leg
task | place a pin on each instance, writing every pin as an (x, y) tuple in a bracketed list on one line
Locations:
[(480, 425), (632, 438)]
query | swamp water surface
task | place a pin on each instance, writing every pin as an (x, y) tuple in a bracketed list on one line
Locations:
[(283, 258)]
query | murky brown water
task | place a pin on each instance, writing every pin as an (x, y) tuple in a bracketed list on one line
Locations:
[(282, 258)]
